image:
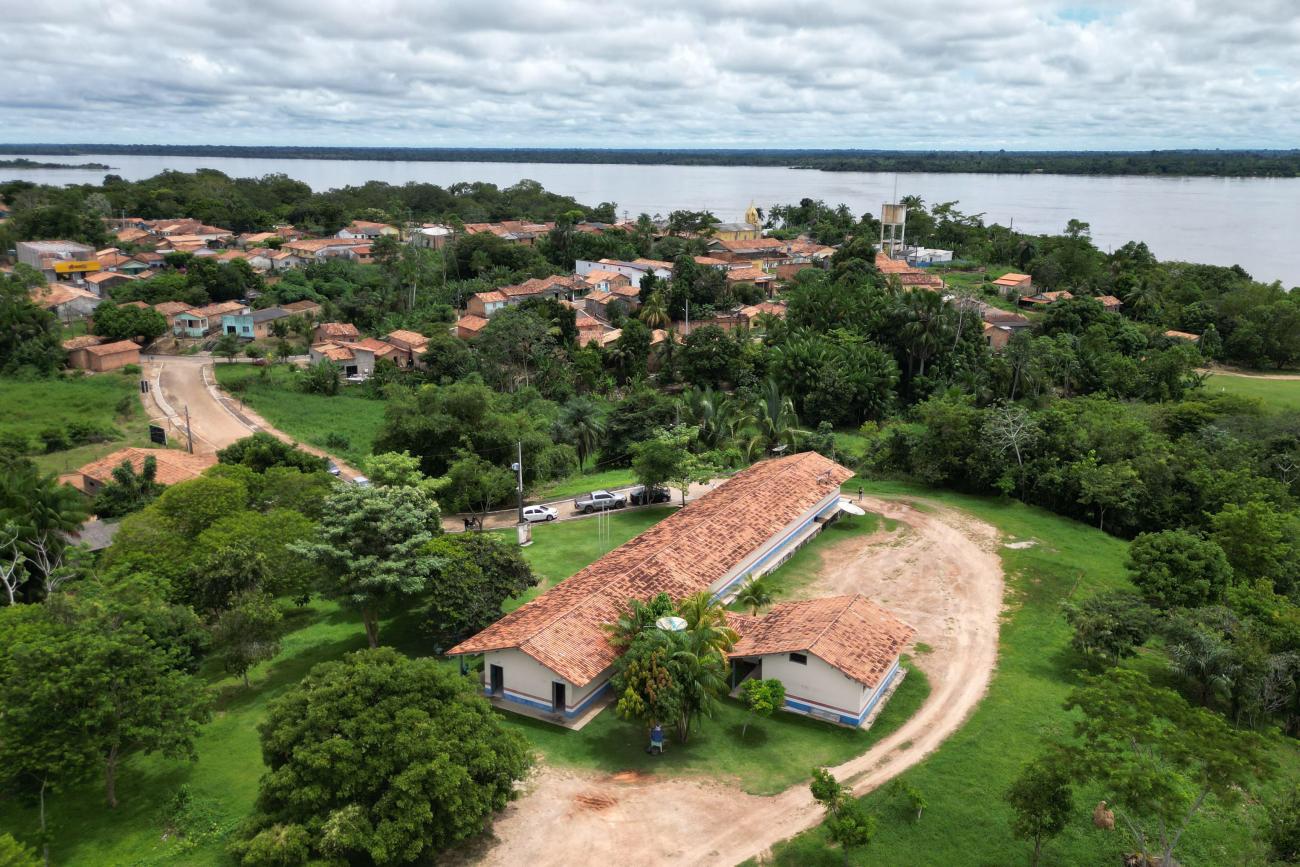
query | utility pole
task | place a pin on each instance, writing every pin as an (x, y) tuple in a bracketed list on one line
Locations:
[(189, 435), (519, 475)]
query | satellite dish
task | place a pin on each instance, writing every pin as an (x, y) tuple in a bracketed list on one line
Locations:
[(671, 624), (846, 506)]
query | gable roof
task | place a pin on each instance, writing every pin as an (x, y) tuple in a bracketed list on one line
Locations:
[(173, 465), (333, 351), (75, 343), (564, 628), (1011, 279), (850, 633), (337, 329), (171, 308), (113, 348)]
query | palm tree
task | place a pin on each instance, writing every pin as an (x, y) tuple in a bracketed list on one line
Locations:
[(701, 671), (636, 618), (755, 594), (774, 419), (654, 313), (706, 621), (924, 328), (581, 424), (716, 414)]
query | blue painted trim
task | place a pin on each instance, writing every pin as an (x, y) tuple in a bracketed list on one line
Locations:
[(775, 550), (847, 719), (510, 695)]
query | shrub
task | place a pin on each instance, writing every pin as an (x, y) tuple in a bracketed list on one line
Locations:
[(337, 441), (55, 439)]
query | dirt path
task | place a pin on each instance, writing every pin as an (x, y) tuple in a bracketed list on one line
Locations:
[(1248, 374), (940, 572)]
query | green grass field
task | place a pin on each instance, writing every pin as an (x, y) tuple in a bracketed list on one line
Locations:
[(966, 822), (1275, 394), (33, 405), (584, 483), (308, 418)]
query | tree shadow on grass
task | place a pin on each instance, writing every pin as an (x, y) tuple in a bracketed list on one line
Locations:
[(285, 672), (755, 736)]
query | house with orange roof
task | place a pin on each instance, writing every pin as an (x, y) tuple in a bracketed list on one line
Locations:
[(1042, 299), (173, 466), (486, 303), (1110, 303), (552, 656), (336, 332), (100, 357), (1020, 284), (838, 657), (65, 300), (469, 326), (603, 280), (1183, 335), (756, 276), (101, 282), (410, 345)]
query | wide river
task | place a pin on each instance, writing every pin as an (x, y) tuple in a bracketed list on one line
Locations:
[(1254, 222)]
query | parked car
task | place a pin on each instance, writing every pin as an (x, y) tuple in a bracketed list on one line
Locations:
[(361, 482), (537, 514), (637, 496), (599, 500)]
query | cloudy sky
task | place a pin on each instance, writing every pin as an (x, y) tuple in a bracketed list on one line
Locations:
[(669, 73)]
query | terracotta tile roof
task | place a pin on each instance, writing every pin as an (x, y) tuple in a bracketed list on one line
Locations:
[(220, 308), (173, 465), (653, 263), (337, 330), (711, 262), (1011, 279), (627, 291), (886, 265), (851, 633), (752, 245), (54, 294), (105, 276), (315, 246), (538, 285), (333, 351), (411, 339), (1182, 335), (749, 275), (113, 348), (490, 297), (600, 276), (137, 304), (1110, 301), (1062, 295), (300, 306), (919, 278), (773, 308), (563, 629), (73, 343), (611, 336), (471, 322), (370, 344), (171, 308)]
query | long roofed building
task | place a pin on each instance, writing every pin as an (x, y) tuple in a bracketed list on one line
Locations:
[(554, 655)]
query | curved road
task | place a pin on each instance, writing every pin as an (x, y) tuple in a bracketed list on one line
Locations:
[(943, 574)]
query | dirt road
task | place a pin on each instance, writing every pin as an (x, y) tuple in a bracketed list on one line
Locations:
[(940, 571), (1248, 374)]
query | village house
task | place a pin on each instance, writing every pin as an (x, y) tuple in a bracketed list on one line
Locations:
[(837, 657), (1110, 303), (590, 329), (357, 361), (736, 231), (306, 309), (65, 300), (252, 324), (1183, 335), (102, 281), (320, 249), (366, 230), (90, 353), (634, 271), (751, 250), (469, 326), (170, 310), (996, 337), (1019, 284), (755, 276), (553, 654), (606, 281), (410, 345), (1042, 299), (335, 332), (515, 231), (484, 304), (172, 466), (200, 321), (752, 313)]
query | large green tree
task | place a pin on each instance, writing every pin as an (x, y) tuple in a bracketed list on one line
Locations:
[(470, 576), (370, 543), (1156, 759), (1178, 569), (378, 759)]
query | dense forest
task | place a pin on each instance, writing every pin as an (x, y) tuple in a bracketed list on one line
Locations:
[(1221, 163)]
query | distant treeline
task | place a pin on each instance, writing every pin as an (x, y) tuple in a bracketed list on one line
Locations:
[(1225, 163), (21, 163)]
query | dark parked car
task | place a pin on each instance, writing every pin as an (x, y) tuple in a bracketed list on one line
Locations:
[(637, 496)]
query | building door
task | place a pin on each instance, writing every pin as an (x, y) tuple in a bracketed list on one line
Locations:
[(496, 679), (558, 703)]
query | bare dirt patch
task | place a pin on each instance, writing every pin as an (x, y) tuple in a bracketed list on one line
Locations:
[(939, 571)]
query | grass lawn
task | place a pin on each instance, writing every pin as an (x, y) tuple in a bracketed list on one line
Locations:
[(561, 548), (308, 418), (584, 483), (31, 406), (1275, 394), (966, 822)]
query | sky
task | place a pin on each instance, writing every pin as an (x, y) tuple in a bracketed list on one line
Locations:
[(920, 74)]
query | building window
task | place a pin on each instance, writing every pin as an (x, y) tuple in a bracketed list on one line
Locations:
[(799, 658)]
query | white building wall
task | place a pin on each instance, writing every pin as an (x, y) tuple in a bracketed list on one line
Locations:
[(778, 548), (817, 684), (526, 681)]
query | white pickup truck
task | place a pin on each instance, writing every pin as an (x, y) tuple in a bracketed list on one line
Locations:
[(599, 500)]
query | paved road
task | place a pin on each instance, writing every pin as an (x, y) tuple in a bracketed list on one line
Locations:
[(180, 382)]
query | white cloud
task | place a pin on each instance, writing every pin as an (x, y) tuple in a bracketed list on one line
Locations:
[(778, 73)]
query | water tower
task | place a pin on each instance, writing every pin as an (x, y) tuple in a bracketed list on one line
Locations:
[(893, 228)]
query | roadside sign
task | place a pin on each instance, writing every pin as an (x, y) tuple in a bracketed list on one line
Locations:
[(158, 434)]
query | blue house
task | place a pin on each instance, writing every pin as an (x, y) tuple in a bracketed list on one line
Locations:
[(252, 324)]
